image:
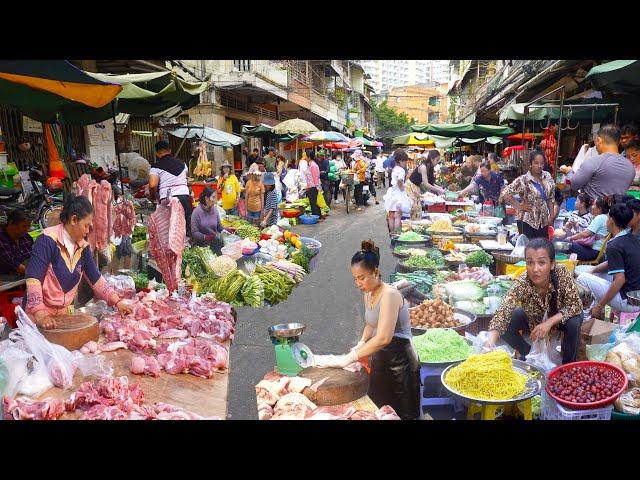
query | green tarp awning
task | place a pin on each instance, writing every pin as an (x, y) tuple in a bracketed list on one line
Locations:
[(468, 130), (264, 132), (618, 76), (54, 91), (571, 110)]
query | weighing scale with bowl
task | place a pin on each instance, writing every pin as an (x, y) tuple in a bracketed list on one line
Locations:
[(292, 356)]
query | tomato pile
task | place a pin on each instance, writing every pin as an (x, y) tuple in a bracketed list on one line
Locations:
[(585, 384)]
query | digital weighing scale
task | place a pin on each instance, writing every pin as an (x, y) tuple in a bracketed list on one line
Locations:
[(292, 356)]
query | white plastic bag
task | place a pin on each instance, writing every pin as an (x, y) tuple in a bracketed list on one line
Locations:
[(480, 345), (16, 363), (93, 365), (123, 285), (37, 382), (543, 354), (58, 361)]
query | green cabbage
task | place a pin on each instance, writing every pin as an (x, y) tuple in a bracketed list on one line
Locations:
[(465, 290)]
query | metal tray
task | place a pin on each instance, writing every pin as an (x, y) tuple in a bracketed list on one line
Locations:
[(451, 233), (533, 386), (463, 316)]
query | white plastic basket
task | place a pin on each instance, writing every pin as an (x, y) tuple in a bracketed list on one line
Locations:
[(552, 410)]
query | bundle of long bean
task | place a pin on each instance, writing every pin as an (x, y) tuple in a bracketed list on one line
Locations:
[(277, 285)]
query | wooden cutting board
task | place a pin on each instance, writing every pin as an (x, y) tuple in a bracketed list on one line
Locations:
[(340, 387), (73, 331)]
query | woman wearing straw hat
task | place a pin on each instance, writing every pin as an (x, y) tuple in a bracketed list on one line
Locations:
[(229, 185), (254, 194)]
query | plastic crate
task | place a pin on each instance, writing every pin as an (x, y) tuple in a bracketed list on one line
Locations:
[(7, 307), (552, 410)]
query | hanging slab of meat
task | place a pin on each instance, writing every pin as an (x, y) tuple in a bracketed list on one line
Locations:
[(166, 229), (102, 224), (24, 408), (124, 219)]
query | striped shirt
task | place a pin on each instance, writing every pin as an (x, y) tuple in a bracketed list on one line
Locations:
[(271, 203), (172, 173)]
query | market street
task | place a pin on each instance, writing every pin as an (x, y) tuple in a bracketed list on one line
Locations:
[(327, 302)]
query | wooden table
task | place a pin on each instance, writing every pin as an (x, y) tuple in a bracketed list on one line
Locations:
[(202, 396)]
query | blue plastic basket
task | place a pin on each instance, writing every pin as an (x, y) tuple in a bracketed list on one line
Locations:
[(309, 219), (312, 244)]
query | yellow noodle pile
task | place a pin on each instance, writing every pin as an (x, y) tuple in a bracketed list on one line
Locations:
[(489, 376)]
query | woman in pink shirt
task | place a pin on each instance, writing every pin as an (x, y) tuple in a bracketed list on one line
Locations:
[(60, 259), (312, 175)]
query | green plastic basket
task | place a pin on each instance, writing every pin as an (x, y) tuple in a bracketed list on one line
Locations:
[(623, 416)]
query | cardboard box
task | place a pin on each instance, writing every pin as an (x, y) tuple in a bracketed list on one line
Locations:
[(597, 331), (593, 331)]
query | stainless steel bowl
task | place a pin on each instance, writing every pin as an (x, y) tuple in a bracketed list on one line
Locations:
[(634, 298), (562, 246), (286, 330)]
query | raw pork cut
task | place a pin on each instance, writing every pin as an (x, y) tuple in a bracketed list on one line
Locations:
[(94, 347), (109, 391), (387, 413), (363, 415), (166, 229), (124, 219), (165, 411), (338, 412), (145, 365), (201, 358), (293, 406), (23, 408)]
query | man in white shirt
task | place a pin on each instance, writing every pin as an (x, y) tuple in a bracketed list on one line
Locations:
[(170, 173)]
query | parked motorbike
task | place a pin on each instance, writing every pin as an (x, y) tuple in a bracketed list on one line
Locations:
[(43, 203)]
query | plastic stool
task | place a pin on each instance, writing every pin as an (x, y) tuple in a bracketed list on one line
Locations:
[(488, 412)]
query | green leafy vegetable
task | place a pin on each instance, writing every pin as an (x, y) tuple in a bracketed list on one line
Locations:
[(253, 292), (465, 290), (422, 261), (411, 237), (479, 258)]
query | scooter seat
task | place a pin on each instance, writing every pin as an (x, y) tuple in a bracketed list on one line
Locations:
[(9, 192)]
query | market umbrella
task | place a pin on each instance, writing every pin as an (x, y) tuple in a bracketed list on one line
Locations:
[(618, 76), (324, 136), (466, 130), (413, 139), (208, 135), (295, 126), (54, 91)]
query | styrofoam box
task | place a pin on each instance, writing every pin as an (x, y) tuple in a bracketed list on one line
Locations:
[(552, 410)]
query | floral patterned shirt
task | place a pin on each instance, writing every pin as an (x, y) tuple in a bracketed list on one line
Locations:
[(523, 295), (524, 186)]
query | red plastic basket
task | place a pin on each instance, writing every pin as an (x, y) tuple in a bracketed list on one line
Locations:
[(587, 406)]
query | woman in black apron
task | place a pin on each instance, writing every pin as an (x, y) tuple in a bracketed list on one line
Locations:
[(386, 339)]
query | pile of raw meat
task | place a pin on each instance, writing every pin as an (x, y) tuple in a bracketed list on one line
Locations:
[(23, 408), (115, 399), (166, 229), (280, 398), (171, 318)]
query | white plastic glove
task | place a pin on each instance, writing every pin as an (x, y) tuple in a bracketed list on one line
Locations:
[(335, 361), (358, 345)]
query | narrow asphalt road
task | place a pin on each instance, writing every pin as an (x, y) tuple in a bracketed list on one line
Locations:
[(327, 302)]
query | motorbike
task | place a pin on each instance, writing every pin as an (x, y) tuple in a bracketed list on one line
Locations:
[(42, 203)]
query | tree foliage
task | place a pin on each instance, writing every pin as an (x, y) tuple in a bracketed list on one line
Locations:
[(389, 122)]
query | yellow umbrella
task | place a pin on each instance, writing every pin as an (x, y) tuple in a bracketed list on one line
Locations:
[(295, 126), (414, 139)]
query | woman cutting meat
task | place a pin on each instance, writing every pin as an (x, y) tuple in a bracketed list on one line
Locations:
[(386, 339), (61, 258)]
